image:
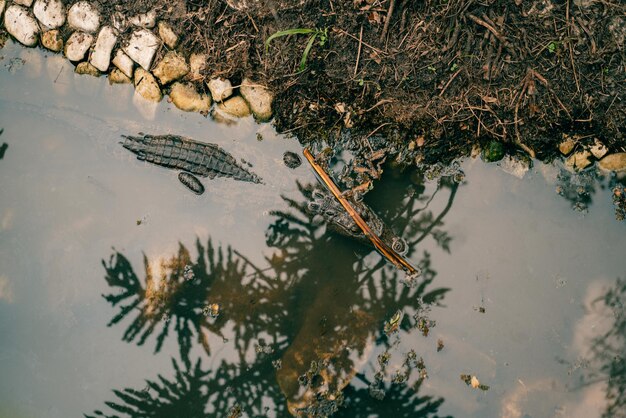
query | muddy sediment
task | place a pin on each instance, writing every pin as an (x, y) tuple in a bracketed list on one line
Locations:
[(433, 80)]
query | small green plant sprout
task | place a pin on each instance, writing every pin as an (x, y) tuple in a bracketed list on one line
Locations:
[(553, 46), (321, 34)]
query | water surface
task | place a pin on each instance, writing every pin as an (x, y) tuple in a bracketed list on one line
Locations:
[(518, 289)]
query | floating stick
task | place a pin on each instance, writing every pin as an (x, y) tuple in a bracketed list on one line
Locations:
[(384, 249)]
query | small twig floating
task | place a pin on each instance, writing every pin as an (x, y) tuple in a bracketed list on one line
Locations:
[(380, 245)]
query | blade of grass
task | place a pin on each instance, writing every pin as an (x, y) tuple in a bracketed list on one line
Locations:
[(305, 54), (296, 31)]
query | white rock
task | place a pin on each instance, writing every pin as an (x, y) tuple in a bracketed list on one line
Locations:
[(124, 63), (26, 3), (258, 97), (598, 149), (101, 55), (51, 13), (21, 24), (168, 35), (144, 20), (77, 46), (220, 89), (614, 162), (84, 16), (141, 47)]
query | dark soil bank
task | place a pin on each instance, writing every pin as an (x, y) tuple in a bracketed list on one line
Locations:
[(437, 77)]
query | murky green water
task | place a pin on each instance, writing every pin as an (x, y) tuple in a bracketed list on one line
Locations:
[(109, 269)]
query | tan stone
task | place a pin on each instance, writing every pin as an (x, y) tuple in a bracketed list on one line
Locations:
[(185, 97), (171, 68), (146, 86), (598, 149), (52, 40), (116, 76), (614, 162), (235, 106), (87, 69), (167, 34), (579, 160), (567, 146), (197, 64), (258, 97)]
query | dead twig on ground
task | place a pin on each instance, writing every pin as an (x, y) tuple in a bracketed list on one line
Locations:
[(358, 54), (392, 4)]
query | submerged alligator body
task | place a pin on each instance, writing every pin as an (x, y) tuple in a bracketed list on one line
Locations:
[(338, 220), (189, 156)]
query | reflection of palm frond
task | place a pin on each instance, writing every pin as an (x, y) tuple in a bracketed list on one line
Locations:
[(178, 297), (318, 296), (401, 401), (185, 396), (608, 350)]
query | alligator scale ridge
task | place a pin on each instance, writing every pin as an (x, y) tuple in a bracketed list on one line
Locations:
[(189, 156)]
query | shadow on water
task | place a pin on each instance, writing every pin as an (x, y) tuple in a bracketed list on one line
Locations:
[(3, 147), (607, 350), (304, 327)]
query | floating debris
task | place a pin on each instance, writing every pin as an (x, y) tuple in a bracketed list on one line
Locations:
[(439, 345), (471, 380), (292, 160), (438, 171), (212, 310), (376, 391), (411, 279), (324, 405), (394, 323), (188, 273), (263, 348), (383, 358), (235, 411), (619, 200), (400, 377), (423, 324), (480, 309)]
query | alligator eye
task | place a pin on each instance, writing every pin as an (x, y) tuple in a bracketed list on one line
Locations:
[(318, 195), (314, 206), (399, 245)]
